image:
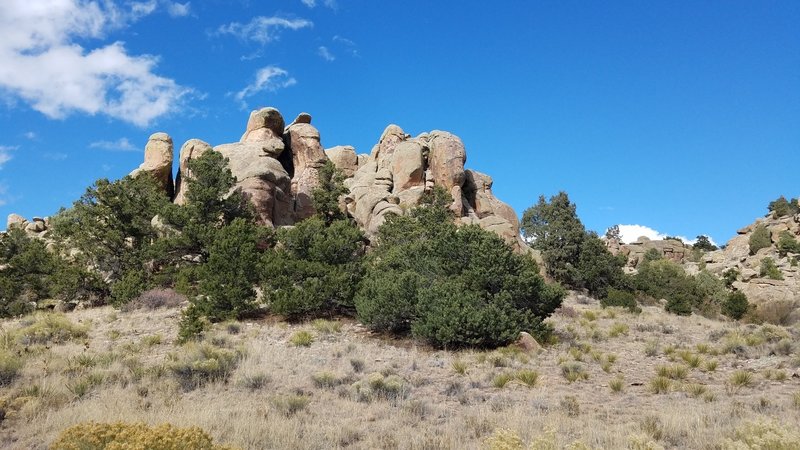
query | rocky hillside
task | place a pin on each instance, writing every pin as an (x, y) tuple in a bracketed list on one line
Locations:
[(782, 286)]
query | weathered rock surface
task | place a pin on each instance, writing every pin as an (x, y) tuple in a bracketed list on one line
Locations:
[(344, 158), (736, 255), (307, 158), (263, 181), (193, 148), (158, 156), (400, 169)]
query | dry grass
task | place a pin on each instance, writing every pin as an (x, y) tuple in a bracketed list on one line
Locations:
[(350, 389)]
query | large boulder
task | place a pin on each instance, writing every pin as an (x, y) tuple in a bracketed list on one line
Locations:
[(307, 158), (193, 148), (446, 162), (344, 158), (262, 180), (158, 156), (265, 128), (16, 221)]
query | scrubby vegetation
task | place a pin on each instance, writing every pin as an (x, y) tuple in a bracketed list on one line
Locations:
[(452, 286), (108, 436)]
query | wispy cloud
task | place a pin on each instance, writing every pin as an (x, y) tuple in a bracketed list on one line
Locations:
[(263, 30), (30, 135), (120, 145), (5, 154), (42, 64), (176, 9), (326, 54), (631, 233), (346, 45), (270, 79), (327, 3)]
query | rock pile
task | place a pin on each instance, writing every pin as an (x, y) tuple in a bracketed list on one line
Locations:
[(35, 227), (671, 249)]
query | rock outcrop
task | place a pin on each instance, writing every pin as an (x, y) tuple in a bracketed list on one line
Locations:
[(158, 156), (36, 227), (277, 169), (671, 249), (736, 255), (400, 169), (307, 158), (193, 148)]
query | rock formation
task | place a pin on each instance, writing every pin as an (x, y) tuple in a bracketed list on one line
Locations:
[(736, 255), (277, 168), (671, 249), (400, 169), (158, 161), (193, 148)]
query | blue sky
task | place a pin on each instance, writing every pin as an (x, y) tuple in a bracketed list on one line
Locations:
[(680, 116)]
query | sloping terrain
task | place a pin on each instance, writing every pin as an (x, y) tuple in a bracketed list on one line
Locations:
[(267, 386)]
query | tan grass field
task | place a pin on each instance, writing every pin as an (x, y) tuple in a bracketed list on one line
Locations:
[(597, 387)]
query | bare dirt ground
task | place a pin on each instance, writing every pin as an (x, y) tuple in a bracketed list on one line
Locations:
[(597, 387)]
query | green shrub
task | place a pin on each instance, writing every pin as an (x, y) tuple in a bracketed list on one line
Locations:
[(50, 328), (199, 363), (302, 339), (759, 239), (730, 276), (227, 278), (769, 269), (782, 207), (624, 299), (736, 305), (377, 386), (10, 365), (315, 269), (192, 325), (572, 256), (665, 279), (452, 286), (120, 435), (787, 243)]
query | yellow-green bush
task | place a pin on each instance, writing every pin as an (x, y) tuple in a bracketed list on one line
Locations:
[(202, 362), (133, 436), (763, 436), (10, 365), (49, 328), (504, 439)]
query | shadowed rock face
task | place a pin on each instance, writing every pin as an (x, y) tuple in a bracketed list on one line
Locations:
[(277, 169)]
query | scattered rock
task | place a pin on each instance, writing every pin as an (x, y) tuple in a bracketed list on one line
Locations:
[(527, 342)]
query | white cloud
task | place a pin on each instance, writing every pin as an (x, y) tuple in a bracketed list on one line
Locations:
[(120, 145), (141, 9), (5, 154), (263, 30), (328, 3), (41, 63), (30, 135), (270, 78), (176, 9), (325, 54), (631, 233)]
